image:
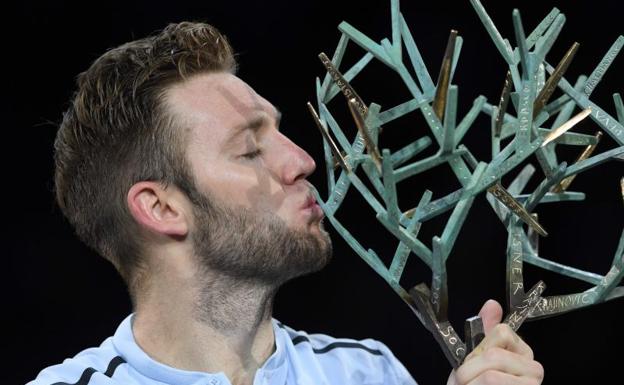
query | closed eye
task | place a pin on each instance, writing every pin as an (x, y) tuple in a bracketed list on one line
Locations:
[(253, 154)]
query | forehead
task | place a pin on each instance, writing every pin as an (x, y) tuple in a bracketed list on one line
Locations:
[(216, 102)]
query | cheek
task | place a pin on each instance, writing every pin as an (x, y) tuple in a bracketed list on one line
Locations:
[(247, 186)]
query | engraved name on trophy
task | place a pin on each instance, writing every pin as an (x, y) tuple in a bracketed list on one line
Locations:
[(532, 125)]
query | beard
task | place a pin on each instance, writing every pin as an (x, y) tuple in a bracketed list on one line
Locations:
[(254, 246)]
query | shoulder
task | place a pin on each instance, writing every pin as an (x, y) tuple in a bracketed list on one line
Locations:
[(355, 361), (95, 366)]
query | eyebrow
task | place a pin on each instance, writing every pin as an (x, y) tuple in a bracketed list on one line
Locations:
[(254, 124)]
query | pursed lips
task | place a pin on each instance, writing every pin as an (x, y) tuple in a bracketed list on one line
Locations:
[(311, 204)]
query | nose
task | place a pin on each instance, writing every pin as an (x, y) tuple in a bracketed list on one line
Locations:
[(293, 162)]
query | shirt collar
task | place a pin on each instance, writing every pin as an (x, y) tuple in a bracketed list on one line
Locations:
[(273, 372)]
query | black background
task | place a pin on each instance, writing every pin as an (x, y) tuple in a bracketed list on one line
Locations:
[(63, 298)]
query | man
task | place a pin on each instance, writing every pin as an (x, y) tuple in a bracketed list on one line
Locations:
[(175, 170)]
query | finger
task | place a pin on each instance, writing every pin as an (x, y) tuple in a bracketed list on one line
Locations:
[(500, 378), (502, 336), (501, 360), (452, 380), (491, 314)]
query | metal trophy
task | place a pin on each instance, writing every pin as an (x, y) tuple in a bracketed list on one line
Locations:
[(525, 118)]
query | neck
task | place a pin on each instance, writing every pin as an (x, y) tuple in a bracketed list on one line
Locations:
[(212, 324)]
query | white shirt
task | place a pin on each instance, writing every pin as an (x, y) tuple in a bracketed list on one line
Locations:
[(299, 359)]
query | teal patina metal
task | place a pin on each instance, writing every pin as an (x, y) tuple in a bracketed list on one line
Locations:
[(529, 89)]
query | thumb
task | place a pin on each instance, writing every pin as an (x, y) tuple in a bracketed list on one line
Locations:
[(491, 314)]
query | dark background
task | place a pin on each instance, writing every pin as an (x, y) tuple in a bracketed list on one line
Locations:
[(63, 298)]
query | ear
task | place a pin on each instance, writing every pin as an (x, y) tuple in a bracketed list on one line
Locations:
[(158, 209)]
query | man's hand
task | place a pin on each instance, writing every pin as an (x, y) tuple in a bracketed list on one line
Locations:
[(502, 358)]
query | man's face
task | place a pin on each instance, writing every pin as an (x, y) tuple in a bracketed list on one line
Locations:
[(253, 177)]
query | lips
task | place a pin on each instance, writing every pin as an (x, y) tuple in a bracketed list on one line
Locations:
[(309, 202), (313, 207)]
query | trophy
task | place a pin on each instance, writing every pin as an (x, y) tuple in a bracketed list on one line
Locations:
[(525, 122)]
